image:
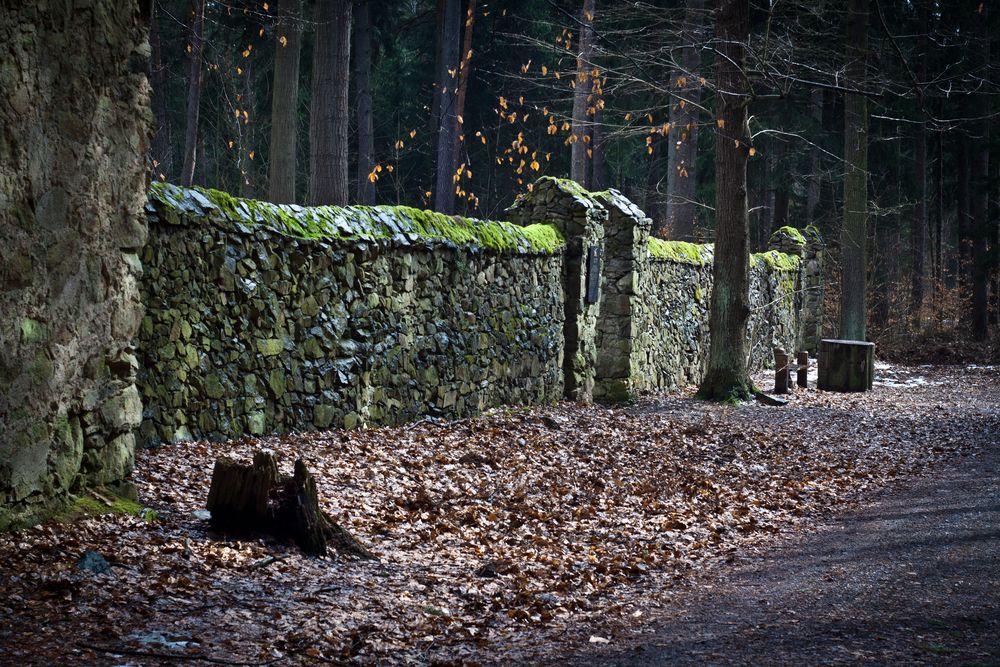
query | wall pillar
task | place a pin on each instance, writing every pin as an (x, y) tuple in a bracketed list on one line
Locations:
[(626, 250), (580, 218)]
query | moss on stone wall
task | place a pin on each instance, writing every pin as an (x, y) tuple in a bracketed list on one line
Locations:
[(403, 225), (681, 251), (776, 260)]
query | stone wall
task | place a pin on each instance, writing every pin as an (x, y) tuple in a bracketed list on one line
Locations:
[(650, 329), (270, 319), (74, 125)]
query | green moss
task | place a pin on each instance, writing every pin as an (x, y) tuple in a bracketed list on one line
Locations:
[(681, 251), (776, 260), (32, 331), (789, 232), (92, 506), (544, 238), (355, 223)]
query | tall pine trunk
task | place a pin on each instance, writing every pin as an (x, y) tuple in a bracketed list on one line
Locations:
[(682, 144), (598, 164), (579, 162), (162, 147), (979, 187), (464, 72), (285, 102), (727, 377), (815, 158), (329, 111), (853, 236), (444, 191), (197, 47), (362, 78), (918, 231)]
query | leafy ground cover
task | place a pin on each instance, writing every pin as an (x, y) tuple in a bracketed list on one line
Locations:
[(522, 534)]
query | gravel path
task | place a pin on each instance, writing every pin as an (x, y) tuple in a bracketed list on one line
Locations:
[(912, 578)]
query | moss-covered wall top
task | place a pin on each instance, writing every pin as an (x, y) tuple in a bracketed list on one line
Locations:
[(269, 319), (74, 119)]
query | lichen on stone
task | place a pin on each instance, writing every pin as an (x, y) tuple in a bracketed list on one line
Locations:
[(681, 251)]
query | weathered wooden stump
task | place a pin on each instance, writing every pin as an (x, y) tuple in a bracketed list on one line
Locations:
[(846, 365), (802, 370), (780, 371), (257, 497)]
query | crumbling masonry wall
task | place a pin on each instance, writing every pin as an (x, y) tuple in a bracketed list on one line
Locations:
[(74, 120)]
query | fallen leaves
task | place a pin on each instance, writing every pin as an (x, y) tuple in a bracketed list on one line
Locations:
[(495, 535)]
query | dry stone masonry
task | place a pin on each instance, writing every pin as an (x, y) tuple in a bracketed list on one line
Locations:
[(270, 319), (74, 119)]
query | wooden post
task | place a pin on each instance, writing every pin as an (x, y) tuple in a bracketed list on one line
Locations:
[(803, 370), (780, 371), (846, 365)]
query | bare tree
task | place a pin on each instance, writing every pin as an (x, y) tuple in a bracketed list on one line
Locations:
[(444, 195), (195, 54), (285, 103), (727, 377), (329, 111), (682, 144), (578, 170), (854, 237), (464, 73), (362, 78)]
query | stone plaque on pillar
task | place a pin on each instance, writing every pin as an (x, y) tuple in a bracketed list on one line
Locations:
[(593, 274)]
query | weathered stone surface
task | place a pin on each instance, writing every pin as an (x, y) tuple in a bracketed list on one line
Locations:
[(344, 328), (74, 113)]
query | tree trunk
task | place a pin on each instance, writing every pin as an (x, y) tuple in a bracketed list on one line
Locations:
[(439, 68), (727, 377), (193, 91), (257, 498), (162, 148), (329, 111), (464, 72), (362, 78), (682, 144), (815, 159), (579, 167), (444, 192), (853, 237), (599, 176), (285, 103), (918, 230), (980, 189)]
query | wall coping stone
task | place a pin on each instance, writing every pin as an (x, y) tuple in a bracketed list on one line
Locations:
[(398, 226)]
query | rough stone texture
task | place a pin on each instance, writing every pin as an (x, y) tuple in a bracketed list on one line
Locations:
[(269, 319), (580, 217), (74, 119), (381, 319), (673, 335), (650, 328)]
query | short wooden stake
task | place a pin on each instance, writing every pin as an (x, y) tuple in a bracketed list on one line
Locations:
[(780, 371), (803, 370)]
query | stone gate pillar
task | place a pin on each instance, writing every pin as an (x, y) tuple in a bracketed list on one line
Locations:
[(626, 248), (580, 218), (808, 245)]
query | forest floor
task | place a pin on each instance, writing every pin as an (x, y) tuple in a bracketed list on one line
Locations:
[(552, 534)]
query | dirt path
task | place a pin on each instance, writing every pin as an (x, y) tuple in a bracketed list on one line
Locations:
[(912, 578)]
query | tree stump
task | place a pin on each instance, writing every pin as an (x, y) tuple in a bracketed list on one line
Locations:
[(846, 365), (257, 497)]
